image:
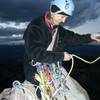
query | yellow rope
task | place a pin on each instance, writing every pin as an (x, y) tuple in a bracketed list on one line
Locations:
[(89, 62)]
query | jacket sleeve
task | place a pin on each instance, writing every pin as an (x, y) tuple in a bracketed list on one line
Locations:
[(36, 49), (71, 38)]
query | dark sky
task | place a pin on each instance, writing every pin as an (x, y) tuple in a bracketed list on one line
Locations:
[(21, 11), (24, 10)]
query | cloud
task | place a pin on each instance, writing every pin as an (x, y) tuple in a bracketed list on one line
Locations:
[(11, 36), (24, 10), (21, 25), (8, 41), (85, 10), (9, 31), (21, 10)]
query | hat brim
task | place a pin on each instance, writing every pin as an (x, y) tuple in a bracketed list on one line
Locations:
[(62, 13)]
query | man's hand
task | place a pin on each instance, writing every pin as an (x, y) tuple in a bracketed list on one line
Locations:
[(67, 56), (95, 37)]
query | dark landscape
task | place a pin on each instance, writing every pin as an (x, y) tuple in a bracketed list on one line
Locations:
[(11, 67)]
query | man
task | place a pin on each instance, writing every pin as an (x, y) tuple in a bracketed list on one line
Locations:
[(45, 39)]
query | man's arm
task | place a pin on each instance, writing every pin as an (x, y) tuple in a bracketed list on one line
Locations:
[(71, 38)]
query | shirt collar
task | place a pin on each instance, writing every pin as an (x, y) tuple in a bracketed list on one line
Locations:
[(47, 21)]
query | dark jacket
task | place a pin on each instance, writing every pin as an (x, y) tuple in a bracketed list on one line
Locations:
[(37, 38)]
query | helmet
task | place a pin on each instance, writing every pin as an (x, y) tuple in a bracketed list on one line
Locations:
[(65, 6)]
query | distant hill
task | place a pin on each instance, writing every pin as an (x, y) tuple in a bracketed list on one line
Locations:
[(10, 54), (85, 50)]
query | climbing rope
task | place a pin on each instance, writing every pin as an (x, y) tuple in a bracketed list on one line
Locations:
[(88, 62), (41, 78), (72, 65), (46, 87)]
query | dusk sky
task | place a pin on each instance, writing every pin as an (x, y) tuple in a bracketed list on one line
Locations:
[(16, 14)]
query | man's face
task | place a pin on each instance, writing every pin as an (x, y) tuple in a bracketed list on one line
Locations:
[(59, 18)]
